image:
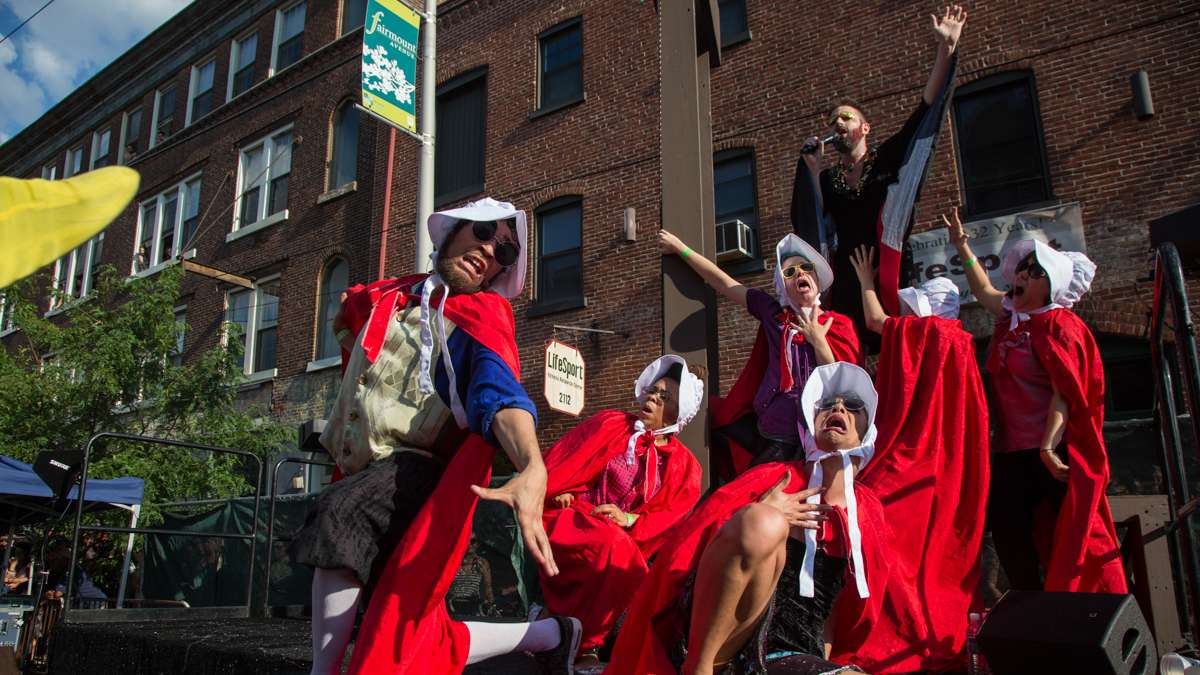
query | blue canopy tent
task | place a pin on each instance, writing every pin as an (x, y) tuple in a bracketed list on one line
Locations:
[(26, 499)]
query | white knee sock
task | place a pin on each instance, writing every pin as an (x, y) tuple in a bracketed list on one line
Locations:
[(494, 639), (334, 604)]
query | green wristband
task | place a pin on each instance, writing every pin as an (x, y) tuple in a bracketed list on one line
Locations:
[(685, 252), (969, 262)]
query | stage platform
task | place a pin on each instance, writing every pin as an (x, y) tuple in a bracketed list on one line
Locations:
[(206, 647)]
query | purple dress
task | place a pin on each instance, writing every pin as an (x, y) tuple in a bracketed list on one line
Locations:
[(779, 414)]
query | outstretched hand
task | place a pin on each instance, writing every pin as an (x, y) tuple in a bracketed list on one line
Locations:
[(525, 494), (812, 328), (863, 260), (799, 513), (669, 244), (948, 28)]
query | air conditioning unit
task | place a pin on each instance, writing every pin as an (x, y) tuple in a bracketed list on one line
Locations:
[(735, 241)]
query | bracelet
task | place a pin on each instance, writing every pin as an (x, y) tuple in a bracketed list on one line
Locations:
[(969, 262), (1049, 450), (342, 334), (685, 252), (628, 520)]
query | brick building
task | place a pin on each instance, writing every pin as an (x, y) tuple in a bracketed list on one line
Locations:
[(239, 117)]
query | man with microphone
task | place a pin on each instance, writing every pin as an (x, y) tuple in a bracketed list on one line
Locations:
[(866, 197)]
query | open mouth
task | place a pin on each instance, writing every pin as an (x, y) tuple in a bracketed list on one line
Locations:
[(1018, 290), (647, 409), (474, 263), (836, 422), (803, 285)]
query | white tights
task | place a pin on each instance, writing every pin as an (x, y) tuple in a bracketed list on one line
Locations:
[(334, 605)]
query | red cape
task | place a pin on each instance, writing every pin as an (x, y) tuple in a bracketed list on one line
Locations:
[(1082, 547), (843, 341), (592, 551), (406, 627), (644, 642), (930, 473), (575, 462)]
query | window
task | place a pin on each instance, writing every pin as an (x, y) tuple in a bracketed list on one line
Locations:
[(289, 37), (561, 65), (263, 178), (560, 258), (462, 123), (50, 172), (164, 115), (256, 312), (131, 134), (1001, 152), (734, 28), (74, 162), (241, 64), (75, 272), (200, 98), (180, 336), (735, 196), (343, 164), (166, 224), (353, 14), (6, 314), (101, 140), (334, 282)]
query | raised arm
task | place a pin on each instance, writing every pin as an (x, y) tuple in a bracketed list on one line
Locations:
[(977, 278), (863, 261), (946, 30), (711, 274)]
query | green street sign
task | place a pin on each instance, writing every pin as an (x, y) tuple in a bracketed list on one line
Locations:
[(389, 62)]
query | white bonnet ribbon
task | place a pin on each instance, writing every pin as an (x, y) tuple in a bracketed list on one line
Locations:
[(807, 586), (1018, 317), (424, 376), (639, 428)]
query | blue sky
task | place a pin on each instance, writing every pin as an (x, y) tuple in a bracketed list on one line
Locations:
[(64, 46)]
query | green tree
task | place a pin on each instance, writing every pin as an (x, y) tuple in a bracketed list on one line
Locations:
[(109, 367)]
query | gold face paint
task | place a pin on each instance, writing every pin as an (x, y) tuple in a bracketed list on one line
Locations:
[(845, 115)]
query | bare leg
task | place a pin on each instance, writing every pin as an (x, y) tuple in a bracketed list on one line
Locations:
[(334, 603), (737, 576)]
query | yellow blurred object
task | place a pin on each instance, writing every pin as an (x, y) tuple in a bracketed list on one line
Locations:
[(40, 220)]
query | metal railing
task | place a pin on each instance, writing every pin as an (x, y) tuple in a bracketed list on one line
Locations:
[(1170, 293), (79, 526), (271, 516)]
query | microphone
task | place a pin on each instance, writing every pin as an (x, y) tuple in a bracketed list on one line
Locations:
[(809, 149)]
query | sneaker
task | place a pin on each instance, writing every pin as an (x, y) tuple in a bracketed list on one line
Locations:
[(561, 659)]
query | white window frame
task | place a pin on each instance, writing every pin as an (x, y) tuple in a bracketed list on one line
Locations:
[(6, 316), (235, 66), (264, 219), (125, 132), (154, 113), (158, 261), (192, 93), (277, 38), (62, 299), (50, 172), (181, 328), (77, 151), (96, 136), (251, 332)]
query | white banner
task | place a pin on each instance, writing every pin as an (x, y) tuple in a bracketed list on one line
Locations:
[(934, 255), (564, 383)]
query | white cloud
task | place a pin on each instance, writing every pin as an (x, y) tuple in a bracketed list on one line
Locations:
[(64, 46)]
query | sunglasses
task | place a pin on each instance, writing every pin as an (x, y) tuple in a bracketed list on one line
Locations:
[(844, 115), (505, 252), (849, 402), (1036, 271), (792, 270)]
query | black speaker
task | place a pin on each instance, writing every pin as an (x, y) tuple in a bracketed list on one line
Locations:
[(1030, 632), (60, 470)]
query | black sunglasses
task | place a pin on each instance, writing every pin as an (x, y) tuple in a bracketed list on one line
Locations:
[(506, 252), (791, 270), (1036, 271), (849, 402)]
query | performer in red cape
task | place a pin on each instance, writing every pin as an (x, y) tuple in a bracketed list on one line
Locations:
[(429, 390), (1049, 466), (867, 197), (930, 474), (619, 482), (760, 416), (717, 599)]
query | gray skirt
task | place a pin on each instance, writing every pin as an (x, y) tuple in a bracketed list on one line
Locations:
[(357, 521)]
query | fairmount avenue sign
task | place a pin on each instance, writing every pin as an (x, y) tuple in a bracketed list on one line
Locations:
[(564, 384), (389, 62)]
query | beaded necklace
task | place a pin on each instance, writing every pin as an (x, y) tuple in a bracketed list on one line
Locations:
[(839, 176)]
